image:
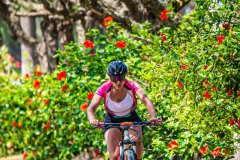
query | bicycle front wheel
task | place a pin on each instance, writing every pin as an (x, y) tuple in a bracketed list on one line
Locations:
[(129, 155)]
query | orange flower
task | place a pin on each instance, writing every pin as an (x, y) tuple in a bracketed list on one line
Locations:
[(214, 89), (226, 152), (28, 103), (216, 152), (27, 76), (25, 155), (203, 149), (46, 102), (107, 20), (90, 96), (172, 145), (36, 84), (84, 107), (38, 73), (12, 59)]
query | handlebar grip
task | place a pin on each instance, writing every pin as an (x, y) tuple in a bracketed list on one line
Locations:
[(159, 121), (100, 124)]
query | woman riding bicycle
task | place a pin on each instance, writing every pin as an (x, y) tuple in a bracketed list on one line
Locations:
[(120, 102)]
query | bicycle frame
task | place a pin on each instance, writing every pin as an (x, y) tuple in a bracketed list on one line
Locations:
[(126, 140)]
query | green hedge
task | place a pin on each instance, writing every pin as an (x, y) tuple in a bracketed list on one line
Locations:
[(190, 72)]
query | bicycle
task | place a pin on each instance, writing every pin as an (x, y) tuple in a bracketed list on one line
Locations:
[(127, 146)]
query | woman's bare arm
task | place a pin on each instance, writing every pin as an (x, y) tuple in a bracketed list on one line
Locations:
[(92, 108), (147, 102)]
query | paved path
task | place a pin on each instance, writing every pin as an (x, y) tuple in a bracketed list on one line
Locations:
[(16, 157)]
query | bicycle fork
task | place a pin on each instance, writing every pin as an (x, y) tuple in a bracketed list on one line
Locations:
[(126, 141)]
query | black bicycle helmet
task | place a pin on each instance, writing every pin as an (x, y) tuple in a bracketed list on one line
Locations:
[(117, 68)]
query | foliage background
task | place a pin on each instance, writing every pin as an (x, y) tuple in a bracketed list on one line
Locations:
[(195, 102)]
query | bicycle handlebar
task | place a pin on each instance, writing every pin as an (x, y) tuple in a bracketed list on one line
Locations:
[(102, 124)]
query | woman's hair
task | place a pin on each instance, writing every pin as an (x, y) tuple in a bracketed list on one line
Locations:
[(117, 68)]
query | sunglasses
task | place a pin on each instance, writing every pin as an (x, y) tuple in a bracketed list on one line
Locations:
[(118, 78)]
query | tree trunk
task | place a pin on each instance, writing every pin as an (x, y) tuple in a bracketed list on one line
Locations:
[(48, 46), (28, 58)]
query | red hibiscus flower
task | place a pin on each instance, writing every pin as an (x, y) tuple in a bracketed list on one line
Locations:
[(36, 84), (206, 81), (88, 44), (163, 37), (238, 122), (120, 44), (180, 84), (214, 89), (172, 145), (207, 94), (0, 140), (163, 15), (225, 25), (231, 122), (230, 92), (62, 75), (48, 125), (19, 126), (107, 20), (205, 67), (216, 152), (25, 155), (203, 150), (46, 102), (38, 73), (92, 54), (14, 123), (71, 142), (84, 107), (97, 151), (18, 64), (220, 38), (64, 87), (226, 152), (90, 96), (184, 67), (27, 76)]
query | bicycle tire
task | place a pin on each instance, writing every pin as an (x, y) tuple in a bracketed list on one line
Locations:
[(129, 155)]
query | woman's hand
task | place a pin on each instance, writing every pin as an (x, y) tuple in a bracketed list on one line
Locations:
[(153, 120), (93, 122)]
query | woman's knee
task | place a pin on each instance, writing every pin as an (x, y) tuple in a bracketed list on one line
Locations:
[(136, 134)]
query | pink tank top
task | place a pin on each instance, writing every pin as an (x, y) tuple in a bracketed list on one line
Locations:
[(104, 91)]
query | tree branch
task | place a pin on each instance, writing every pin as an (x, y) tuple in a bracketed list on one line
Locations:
[(52, 9)]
